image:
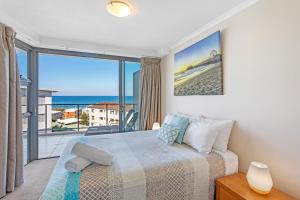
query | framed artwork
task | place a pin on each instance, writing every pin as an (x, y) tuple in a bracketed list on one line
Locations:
[(198, 68)]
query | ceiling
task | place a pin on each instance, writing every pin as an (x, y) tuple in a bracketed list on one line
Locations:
[(154, 28)]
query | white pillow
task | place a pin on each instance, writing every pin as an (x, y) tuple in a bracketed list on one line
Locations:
[(191, 117), (224, 130), (169, 117), (201, 135)]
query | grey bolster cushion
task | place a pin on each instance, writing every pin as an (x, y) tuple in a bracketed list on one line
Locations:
[(92, 153), (77, 164)]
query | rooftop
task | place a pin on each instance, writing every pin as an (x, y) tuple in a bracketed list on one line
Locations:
[(110, 106)]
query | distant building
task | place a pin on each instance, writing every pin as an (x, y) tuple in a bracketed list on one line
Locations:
[(57, 115), (71, 113), (105, 113), (44, 110)]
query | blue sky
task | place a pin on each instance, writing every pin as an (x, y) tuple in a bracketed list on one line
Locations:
[(22, 60), (198, 50), (78, 76)]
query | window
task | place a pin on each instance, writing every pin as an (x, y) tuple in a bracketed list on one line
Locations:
[(74, 83), (95, 80)]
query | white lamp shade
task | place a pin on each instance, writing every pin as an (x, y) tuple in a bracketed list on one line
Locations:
[(259, 178), (155, 126)]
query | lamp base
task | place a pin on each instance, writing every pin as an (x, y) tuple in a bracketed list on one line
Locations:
[(259, 191)]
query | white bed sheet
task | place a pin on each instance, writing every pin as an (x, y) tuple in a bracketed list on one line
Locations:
[(231, 161)]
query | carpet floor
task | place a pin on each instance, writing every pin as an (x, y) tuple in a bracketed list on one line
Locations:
[(36, 176)]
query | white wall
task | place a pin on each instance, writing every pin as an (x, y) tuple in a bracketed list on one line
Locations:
[(261, 58)]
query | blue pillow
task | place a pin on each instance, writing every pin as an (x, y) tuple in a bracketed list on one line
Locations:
[(181, 123), (168, 133)]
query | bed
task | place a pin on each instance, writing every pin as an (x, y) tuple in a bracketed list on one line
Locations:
[(144, 168)]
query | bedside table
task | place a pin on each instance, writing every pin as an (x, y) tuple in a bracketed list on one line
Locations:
[(235, 187)]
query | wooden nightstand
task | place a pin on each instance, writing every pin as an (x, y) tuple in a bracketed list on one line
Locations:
[(235, 187)]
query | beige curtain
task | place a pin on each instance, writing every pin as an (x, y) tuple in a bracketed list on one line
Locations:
[(11, 147), (150, 93)]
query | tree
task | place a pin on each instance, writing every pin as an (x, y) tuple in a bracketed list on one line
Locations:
[(84, 119)]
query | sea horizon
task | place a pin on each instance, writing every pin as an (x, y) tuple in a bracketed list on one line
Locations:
[(60, 99)]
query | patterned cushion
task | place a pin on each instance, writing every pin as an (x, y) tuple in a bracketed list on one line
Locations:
[(168, 133), (181, 123)]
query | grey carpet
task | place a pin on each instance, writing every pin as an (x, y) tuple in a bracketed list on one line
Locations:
[(36, 176)]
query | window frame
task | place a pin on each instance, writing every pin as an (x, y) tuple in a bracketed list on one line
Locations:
[(32, 61)]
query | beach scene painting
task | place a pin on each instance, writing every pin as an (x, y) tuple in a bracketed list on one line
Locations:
[(198, 68)]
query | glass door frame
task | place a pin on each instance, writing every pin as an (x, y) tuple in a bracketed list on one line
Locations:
[(33, 58), (123, 94), (31, 100)]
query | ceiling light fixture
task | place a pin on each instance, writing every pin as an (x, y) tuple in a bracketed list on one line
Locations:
[(118, 8)]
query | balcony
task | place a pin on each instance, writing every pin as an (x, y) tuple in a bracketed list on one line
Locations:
[(59, 123)]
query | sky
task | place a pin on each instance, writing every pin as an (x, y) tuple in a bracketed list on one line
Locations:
[(79, 76), (22, 60), (197, 51)]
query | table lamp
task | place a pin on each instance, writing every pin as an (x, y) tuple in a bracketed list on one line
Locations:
[(155, 126), (259, 178)]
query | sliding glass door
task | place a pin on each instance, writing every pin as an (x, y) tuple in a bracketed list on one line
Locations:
[(26, 67), (22, 59), (77, 96), (130, 94), (81, 95), (68, 94)]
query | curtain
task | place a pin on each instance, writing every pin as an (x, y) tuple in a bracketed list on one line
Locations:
[(11, 147), (150, 93)]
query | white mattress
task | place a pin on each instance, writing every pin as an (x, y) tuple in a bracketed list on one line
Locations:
[(231, 161)]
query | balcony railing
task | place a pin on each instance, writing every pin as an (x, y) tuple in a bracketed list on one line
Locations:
[(61, 118), (77, 118), (58, 123)]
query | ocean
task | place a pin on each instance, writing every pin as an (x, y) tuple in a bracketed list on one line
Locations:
[(86, 100)]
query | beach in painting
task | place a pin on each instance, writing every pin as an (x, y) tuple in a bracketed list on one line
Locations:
[(198, 68)]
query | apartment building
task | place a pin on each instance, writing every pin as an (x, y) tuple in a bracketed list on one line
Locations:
[(44, 109), (103, 114)]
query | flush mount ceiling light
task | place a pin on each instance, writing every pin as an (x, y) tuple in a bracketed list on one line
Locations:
[(118, 8)]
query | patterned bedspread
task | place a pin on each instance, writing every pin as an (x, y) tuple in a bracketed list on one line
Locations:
[(143, 168)]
